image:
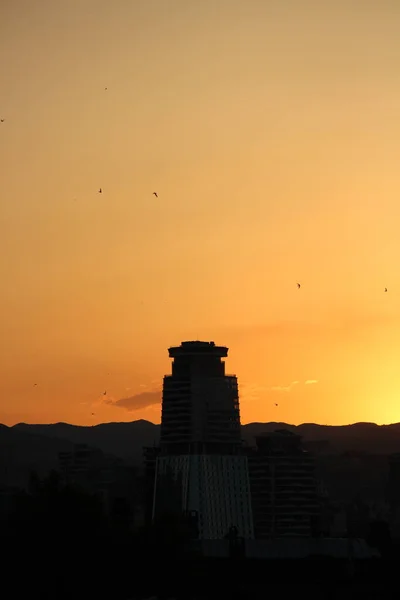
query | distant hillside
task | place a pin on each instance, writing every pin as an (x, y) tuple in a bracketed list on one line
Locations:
[(22, 452), (126, 440), (345, 471)]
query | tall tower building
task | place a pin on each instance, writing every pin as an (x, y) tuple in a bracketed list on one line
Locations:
[(200, 407), (201, 468)]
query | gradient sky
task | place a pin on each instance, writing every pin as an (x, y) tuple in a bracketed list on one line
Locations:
[(270, 130)]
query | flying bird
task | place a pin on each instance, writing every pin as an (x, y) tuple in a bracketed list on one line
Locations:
[(2, 120), (155, 194), (100, 191), (298, 286), (385, 289)]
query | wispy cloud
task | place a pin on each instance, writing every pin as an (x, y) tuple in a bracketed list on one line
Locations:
[(137, 401), (153, 397), (251, 391), (284, 388)]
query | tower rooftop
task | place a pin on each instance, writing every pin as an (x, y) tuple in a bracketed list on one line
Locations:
[(193, 348)]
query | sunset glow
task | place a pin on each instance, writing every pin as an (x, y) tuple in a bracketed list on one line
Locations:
[(270, 132)]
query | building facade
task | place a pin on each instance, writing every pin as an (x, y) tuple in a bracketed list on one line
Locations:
[(284, 487), (201, 467), (200, 404), (215, 487)]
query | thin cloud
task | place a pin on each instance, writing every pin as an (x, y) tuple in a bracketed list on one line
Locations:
[(284, 388), (137, 401), (310, 381), (251, 391)]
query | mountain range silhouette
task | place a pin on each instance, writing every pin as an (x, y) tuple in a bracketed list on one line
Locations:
[(126, 440), (349, 456)]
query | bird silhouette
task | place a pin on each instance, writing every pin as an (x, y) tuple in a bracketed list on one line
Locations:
[(2, 120), (100, 191), (276, 404), (105, 393), (298, 286), (34, 384), (155, 194), (385, 289)]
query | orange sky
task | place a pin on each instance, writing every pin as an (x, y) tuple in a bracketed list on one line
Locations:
[(270, 130)]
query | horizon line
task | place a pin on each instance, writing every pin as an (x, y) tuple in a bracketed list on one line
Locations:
[(242, 424)]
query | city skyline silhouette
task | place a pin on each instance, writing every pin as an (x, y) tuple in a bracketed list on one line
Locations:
[(203, 491), (200, 299)]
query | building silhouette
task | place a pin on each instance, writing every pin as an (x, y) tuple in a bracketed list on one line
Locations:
[(107, 477), (81, 465), (150, 454), (200, 405), (200, 467), (393, 492), (393, 483), (284, 487)]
